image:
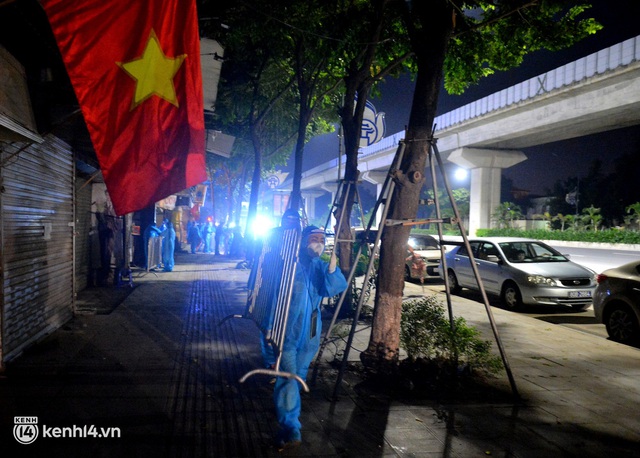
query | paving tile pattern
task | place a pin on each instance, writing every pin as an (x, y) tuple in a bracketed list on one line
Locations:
[(163, 367)]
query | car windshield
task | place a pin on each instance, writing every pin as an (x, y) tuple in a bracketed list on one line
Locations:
[(423, 243), (517, 252)]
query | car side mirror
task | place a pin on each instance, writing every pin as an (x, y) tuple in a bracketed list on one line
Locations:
[(493, 258)]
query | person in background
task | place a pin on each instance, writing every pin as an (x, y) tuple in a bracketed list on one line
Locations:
[(418, 265), (228, 242), (314, 279), (237, 242), (207, 231), (218, 237), (168, 246), (193, 236)]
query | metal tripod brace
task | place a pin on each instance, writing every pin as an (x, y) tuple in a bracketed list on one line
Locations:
[(384, 199), (342, 194)]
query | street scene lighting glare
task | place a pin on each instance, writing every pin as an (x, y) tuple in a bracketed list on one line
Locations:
[(261, 225), (461, 174)]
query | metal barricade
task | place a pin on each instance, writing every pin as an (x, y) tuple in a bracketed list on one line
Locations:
[(269, 298), (154, 253)]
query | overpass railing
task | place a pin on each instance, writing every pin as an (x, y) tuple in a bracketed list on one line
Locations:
[(611, 58)]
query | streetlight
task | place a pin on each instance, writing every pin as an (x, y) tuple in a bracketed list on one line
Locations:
[(461, 174)]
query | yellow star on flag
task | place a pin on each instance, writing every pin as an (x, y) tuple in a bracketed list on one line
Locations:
[(153, 73)]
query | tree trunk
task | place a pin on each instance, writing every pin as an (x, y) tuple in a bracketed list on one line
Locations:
[(255, 188), (303, 121), (429, 42), (351, 118), (240, 194), (230, 190)]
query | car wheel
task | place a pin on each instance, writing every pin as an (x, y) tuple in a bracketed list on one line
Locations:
[(622, 325), (511, 297), (454, 286)]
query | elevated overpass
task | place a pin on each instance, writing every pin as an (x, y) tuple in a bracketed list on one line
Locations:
[(594, 94)]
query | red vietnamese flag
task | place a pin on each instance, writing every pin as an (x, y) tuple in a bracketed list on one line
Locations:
[(135, 68)]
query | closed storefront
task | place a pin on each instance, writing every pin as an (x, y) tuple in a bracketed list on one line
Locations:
[(83, 233), (36, 212)]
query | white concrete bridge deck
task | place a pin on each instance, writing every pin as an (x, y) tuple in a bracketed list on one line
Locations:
[(594, 94)]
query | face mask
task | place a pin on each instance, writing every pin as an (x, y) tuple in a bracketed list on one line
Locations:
[(315, 249)]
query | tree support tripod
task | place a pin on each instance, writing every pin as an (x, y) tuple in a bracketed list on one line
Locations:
[(383, 200)]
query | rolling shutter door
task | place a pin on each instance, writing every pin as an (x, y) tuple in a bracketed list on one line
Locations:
[(36, 208)]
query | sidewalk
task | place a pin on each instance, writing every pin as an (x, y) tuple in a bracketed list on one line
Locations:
[(157, 375)]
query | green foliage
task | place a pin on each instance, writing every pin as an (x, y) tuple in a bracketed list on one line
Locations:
[(585, 227), (461, 197), (603, 236), (362, 263), (425, 332), (506, 213), (497, 36), (592, 217), (634, 209), (633, 219), (563, 220)]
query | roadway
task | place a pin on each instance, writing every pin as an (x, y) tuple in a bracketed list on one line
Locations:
[(593, 258), (598, 259)]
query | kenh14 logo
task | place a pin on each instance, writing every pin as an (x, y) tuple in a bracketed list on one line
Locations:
[(25, 429)]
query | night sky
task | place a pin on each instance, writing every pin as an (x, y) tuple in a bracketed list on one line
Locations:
[(566, 158)]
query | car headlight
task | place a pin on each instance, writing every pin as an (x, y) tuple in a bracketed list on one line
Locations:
[(540, 280)]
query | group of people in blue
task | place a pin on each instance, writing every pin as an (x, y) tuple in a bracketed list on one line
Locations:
[(207, 237), (168, 234), (202, 237)]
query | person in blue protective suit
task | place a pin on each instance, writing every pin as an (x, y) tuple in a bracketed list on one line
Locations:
[(206, 231), (193, 236), (168, 246), (314, 279), (218, 233)]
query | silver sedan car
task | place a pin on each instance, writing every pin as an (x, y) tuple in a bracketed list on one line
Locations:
[(521, 271)]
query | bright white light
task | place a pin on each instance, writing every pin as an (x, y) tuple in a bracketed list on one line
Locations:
[(261, 225), (461, 174)]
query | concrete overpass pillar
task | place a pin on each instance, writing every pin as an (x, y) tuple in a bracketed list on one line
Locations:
[(310, 203), (331, 188), (377, 178), (486, 168)]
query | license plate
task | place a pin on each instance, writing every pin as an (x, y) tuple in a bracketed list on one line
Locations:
[(579, 293)]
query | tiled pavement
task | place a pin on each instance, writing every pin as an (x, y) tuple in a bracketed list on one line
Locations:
[(161, 371)]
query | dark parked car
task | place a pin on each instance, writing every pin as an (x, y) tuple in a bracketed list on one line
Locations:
[(616, 302), (521, 271)]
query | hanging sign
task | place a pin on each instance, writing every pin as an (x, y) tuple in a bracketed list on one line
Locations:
[(373, 126)]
